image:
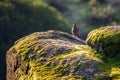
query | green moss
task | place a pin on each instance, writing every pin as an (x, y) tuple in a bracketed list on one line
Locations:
[(24, 49), (102, 78), (111, 66), (106, 38)]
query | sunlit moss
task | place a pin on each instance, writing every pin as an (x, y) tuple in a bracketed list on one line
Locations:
[(115, 73), (105, 39)]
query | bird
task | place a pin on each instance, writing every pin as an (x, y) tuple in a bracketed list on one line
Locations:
[(75, 31)]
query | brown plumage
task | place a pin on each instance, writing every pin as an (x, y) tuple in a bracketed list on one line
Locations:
[(75, 31)]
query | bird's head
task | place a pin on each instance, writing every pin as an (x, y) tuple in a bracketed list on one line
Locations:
[(74, 24)]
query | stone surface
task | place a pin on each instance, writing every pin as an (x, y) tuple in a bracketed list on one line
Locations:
[(53, 55)]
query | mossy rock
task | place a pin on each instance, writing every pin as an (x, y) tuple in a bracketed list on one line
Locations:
[(52, 55), (105, 39)]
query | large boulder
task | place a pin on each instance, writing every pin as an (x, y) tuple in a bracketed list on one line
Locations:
[(105, 39), (53, 55)]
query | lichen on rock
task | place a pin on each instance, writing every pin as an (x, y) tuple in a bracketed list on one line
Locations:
[(53, 55), (105, 39)]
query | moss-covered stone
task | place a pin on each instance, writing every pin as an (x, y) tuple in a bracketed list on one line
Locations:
[(52, 55), (105, 39)]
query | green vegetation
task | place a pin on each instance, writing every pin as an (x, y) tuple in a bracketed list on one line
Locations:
[(101, 13), (105, 39), (91, 14), (21, 17), (109, 37), (112, 65)]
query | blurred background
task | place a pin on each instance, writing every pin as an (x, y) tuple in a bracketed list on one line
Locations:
[(22, 17)]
